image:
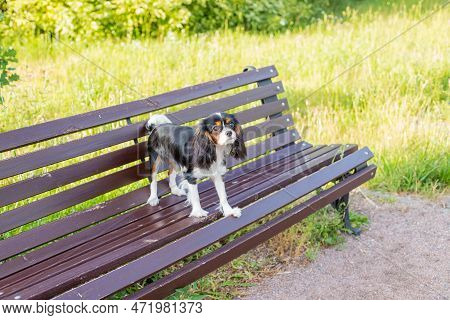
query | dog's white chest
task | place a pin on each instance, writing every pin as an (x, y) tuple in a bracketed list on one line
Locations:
[(216, 168)]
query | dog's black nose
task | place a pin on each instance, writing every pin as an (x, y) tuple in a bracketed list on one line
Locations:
[(229, 133)]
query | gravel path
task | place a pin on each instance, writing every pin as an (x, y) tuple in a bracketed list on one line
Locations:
[(404, 254)]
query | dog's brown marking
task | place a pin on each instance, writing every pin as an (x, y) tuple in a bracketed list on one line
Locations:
[(237, 129), (154, 168), (214, 137)]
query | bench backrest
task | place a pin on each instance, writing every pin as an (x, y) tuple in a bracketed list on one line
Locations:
[(61, 167)]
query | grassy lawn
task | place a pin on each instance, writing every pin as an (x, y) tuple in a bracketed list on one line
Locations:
[(396, 101)]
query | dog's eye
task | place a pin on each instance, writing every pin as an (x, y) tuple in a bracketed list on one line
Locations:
[(216, 128), (231, 125)]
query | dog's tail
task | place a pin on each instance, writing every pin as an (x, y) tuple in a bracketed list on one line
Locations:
[(156, 120)]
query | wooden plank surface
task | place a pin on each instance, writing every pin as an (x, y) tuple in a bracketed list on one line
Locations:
[(65, 199), (82, 219), (41, 132), (60, 177), (230, 251), (41, 158), (83, 271), (157, 260), (145, 219)]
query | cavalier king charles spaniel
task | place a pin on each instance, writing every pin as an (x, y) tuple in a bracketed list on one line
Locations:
[(194, 153)]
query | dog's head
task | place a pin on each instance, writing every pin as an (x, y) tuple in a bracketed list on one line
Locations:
[(219, 129)]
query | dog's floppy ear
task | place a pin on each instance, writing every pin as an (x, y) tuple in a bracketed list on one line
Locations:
[(238, 149), (204, 153)]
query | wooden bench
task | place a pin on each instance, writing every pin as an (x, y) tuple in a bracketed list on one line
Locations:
[(63, 240)]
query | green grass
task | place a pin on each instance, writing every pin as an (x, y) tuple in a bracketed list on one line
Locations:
[(396, 101)]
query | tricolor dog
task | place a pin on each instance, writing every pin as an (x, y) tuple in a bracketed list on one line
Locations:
[(195, 153)]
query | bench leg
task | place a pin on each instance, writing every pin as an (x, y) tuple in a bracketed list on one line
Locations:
[(341, 205)]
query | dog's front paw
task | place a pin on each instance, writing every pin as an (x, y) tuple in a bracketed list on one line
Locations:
[(153, 201), (235, 212), (178, 192), (199, 213)]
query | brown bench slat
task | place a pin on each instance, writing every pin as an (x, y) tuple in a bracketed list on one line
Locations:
[(271, 143), (41, 132), (78, 171), (226, 103), (262, 111), (157, 260), (268, 127), (249, 197), (41, 158), (60, 177), (65, 199), (81, 219), (232, 250)]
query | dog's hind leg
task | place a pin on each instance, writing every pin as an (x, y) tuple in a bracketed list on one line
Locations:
[(173, 182), (154, 165)]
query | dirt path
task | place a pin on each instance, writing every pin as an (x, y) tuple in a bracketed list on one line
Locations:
[(404, 254)]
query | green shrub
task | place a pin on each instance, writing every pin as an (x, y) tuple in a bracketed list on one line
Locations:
[(7, 55), (97, 19), (258, 16), (149, 18)]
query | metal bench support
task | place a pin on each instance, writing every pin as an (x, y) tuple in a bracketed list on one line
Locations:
[(341, 205)]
